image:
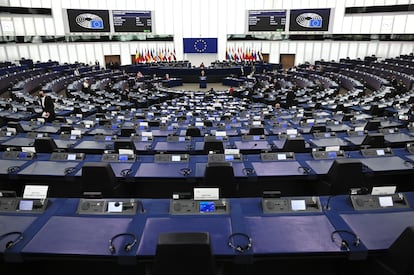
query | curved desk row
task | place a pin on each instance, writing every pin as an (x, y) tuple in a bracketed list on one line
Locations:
[(65, 230), (160, 174)]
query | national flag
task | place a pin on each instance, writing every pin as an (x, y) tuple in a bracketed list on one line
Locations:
[(260, 55), (136, 56)]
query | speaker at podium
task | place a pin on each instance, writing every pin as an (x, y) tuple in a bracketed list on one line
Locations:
[(203, 80)]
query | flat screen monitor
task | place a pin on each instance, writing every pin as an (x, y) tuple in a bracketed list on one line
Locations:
[(309, 20), (266, 20), (88, 20)]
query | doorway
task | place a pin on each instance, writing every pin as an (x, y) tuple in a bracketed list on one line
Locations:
[(287, 60), (112, 61), (265, 57)]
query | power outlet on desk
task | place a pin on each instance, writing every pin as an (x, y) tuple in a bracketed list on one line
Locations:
[(328, 154), (22, 205), (171, 158), (108, 206), (376, 202), (273, 156), (291, 205), (63, 156), (324, 134), (193, 207), (377, 152), (114, 157), (224, 157), (18, 155)]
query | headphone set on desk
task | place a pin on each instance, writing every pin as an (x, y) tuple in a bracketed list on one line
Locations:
[(127, 246), (248, 171), (238, 247), (126, 172), (13, 169), (12, 243), (344, 243), (185, 171)]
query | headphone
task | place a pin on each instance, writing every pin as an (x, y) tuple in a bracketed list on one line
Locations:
[(344, 243), (10, 244), (127, 246), (185, 171), (248, 171), (238, 247), (126, 172), (69, 170), (304, 170), (13, 169)]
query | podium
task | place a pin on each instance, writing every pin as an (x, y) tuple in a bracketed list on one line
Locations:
[(203, 82)]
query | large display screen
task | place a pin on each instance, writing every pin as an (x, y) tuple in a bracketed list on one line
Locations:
[(266, 20), (309, 20), (132, 21), (88, 20)]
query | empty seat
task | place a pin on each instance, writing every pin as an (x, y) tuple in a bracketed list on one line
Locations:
[(372, 125), (16, 125), (124, 144), (186, 253), (127, 131), (318, 128), (294, 144), (374, 140), (66, 129), (398, 258), (343, 175), (99, 177), (45, 145), (193, 131), (221, 175), (211, 144), (256, 131)]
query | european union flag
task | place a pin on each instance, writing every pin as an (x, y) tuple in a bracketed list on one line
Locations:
[(200, 45)]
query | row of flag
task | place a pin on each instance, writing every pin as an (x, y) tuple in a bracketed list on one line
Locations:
[(239, 54), (168, 55), (153, 55)]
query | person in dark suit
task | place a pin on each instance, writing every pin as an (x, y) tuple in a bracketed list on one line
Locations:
[(290, 98), (48, 106)]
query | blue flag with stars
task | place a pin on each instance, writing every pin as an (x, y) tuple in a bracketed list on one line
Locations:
[(200, 45)]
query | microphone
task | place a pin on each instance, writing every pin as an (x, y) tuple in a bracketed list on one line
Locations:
[(328, 201), (141, 205)]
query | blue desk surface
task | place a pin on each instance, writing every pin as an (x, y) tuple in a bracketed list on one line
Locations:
[(50, 168), (162, 170), (320, 167), (5, 164), (77, 235), (61, 231), (172, 146), (219, 228), (379, 164), (291, 234), (379, 230), (18, 223), (280, 168)]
